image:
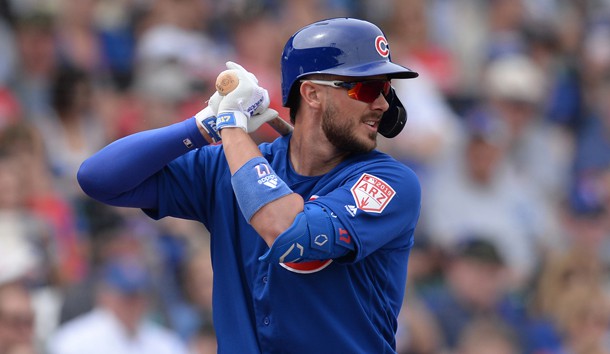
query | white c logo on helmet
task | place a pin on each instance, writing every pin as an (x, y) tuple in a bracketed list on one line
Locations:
[(382, 46)]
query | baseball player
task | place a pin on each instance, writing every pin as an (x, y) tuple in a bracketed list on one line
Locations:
[(310, 234)]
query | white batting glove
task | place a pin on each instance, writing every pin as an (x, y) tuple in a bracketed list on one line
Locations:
[(207, 117), (265, 104), (245, 100), (259, 119)]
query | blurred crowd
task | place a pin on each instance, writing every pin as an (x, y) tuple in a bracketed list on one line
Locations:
[(508, 130)]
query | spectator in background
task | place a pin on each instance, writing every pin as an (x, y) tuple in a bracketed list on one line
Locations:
[(485, 336), (77, 37), (10, 108), (481, 31), (115, 24), (32, 79), (161, 88), (593, 141), (582, 319), (204, 342), (298, 13), (418, 331), (39, 235), (174, 252), (24, 237), (605, 195), (516, 90), (118, 323), (73, 132), (411, 24), (570, 309), (158, 91), (40, 198), (585, 224), (175, 63), (7, 48), (182, 261), (473, 192), (505, 21), (567, 101), (177, 32), (475, 288), (592, 160), (432, 128), (197, 285), (16, 319)]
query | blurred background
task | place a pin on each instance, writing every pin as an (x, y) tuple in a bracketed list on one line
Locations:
[(509, 132)]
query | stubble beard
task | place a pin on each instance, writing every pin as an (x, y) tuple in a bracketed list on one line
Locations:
[(341, 134)]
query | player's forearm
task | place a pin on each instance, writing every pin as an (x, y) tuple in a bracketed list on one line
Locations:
[(274, 217), (122, 166), (238, 147)]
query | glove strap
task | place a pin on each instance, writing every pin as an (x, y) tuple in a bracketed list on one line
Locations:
[(232, 119), (209, 125)]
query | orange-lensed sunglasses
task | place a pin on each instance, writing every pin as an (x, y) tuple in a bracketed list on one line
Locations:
[(365, 91)]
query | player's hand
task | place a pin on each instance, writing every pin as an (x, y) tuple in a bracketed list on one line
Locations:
[(206, 118), (265, 104), (238, 106)]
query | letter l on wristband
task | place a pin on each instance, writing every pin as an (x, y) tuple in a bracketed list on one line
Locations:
[(255, 185)]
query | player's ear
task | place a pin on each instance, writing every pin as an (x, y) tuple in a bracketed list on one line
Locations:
[(310, 94)]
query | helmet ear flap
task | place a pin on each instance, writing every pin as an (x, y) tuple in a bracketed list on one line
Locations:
[(394, 119)]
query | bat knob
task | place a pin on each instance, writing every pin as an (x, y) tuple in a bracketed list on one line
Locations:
[(226, 82)]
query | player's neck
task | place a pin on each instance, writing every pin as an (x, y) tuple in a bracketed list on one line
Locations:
[(311, 154)]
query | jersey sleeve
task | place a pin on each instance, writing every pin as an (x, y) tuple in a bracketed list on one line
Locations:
[(123, 173), (169, 171), (379, 207), (193, 186)]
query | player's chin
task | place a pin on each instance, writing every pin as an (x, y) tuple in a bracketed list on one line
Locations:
[(356, 144), (367, 143), (371, 136), (372, 143)]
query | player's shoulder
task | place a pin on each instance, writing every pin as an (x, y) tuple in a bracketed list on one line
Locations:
[(385, 172), (377, 162)]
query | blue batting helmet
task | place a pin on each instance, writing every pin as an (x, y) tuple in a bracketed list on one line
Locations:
[(344, 47), (339, 46)]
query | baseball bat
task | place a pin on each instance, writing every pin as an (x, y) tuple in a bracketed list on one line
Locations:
[(227, 81)]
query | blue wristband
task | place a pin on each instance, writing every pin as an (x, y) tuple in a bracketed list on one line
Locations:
[(255, 185)]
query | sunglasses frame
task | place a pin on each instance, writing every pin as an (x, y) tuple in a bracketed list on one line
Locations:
[(350, 85)]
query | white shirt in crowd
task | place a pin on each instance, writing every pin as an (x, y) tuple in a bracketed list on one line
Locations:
[(99, 332)]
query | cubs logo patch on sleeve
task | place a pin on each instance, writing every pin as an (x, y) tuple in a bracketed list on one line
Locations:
[(372, 194)]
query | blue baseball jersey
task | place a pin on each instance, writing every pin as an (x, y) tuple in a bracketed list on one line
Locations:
[(327, 306)]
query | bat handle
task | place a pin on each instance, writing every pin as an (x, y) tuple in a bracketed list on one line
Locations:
[(227, 81), (281, 126)]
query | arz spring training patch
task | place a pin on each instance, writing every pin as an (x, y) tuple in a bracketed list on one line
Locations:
[(372, 194)]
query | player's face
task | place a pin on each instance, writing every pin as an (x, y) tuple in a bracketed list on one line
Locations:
[(351, 125), (344, 134)]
